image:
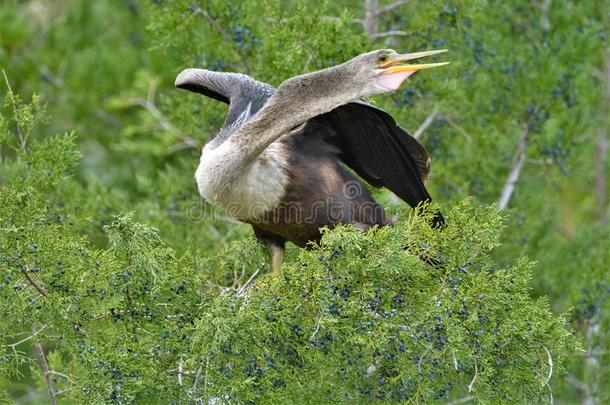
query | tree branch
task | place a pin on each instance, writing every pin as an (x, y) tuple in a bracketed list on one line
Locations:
[(149, 105), (392, 6), (228, 38), (372, 13), (461, 401), (13, 345), (250, 280), (180, 371), (388, 34), (582, 387), (601, 155), (44, 366), (515, 172), (458, 128), (426, 124), (34, 283), (550, 362), (370, 17), (476, 373)]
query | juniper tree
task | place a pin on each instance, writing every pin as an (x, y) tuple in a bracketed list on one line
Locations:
[(135, 290)]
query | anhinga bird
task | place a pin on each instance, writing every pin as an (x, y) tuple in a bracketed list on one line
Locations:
[(278, 161)]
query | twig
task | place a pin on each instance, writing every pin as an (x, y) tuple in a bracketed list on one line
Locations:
[(455, 362), (601, 149), (421, 359), (545, 22), (372, 13), (149, 105), (44, 366), (476, 373), (461, 130), (250, 280), (426, 124), (55, 80), (13, 345), (317, 328), (196, 383), (550, 360), (390, 33), (580, 386), (461, 401), (370, 17), (12, 97), (515, 172), (386, 9), (180, 370), (591, 353), (62, 375), (61, 392), (227, 38), (34, 284)]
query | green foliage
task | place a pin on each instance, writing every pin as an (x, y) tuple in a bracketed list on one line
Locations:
[(356, 318), (135, 288), (360, 319)]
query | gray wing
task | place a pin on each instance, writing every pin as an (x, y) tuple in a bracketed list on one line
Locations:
[(244, 95)]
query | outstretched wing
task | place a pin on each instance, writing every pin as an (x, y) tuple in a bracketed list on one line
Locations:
[(371, 143), (244, 95)]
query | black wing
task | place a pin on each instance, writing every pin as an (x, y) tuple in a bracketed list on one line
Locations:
[(379, 150)]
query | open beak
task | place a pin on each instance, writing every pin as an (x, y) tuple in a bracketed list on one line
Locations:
[(394, 65), (394, 71)]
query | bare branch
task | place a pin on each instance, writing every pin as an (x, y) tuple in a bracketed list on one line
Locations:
[(587, 398), (13, 345), (461, 130), (61, 392), (149, 105), (461, 401), (228, 38), (180, 371), (370, 17), (601, 149), (62, 375), (372, 13), (476, 373), (392, 6), (44, 366), (545, 22), (426, 124), (550, 361), (388, 34), (317, 328), (34, 283), (250, 280), (196, 383), (515, 172)]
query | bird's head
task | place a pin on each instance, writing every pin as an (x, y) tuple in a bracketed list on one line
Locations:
[(384, 70)]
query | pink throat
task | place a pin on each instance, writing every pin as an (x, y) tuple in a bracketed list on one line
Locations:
[(392, 81)]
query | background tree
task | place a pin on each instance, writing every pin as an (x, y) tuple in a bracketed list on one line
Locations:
[(117, 280)]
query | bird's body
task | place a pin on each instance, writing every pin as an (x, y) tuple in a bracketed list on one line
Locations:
[(279, 164)]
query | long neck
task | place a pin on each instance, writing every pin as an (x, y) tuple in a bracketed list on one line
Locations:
[(296, 101)]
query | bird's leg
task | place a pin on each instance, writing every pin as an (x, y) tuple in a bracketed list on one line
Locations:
[(277, 258), (276, 244)]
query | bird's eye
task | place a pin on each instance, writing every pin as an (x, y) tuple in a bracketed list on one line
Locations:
[(382, 59)]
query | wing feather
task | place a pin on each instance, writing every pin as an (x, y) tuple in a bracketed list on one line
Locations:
[(240, 91), (379, 150)]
